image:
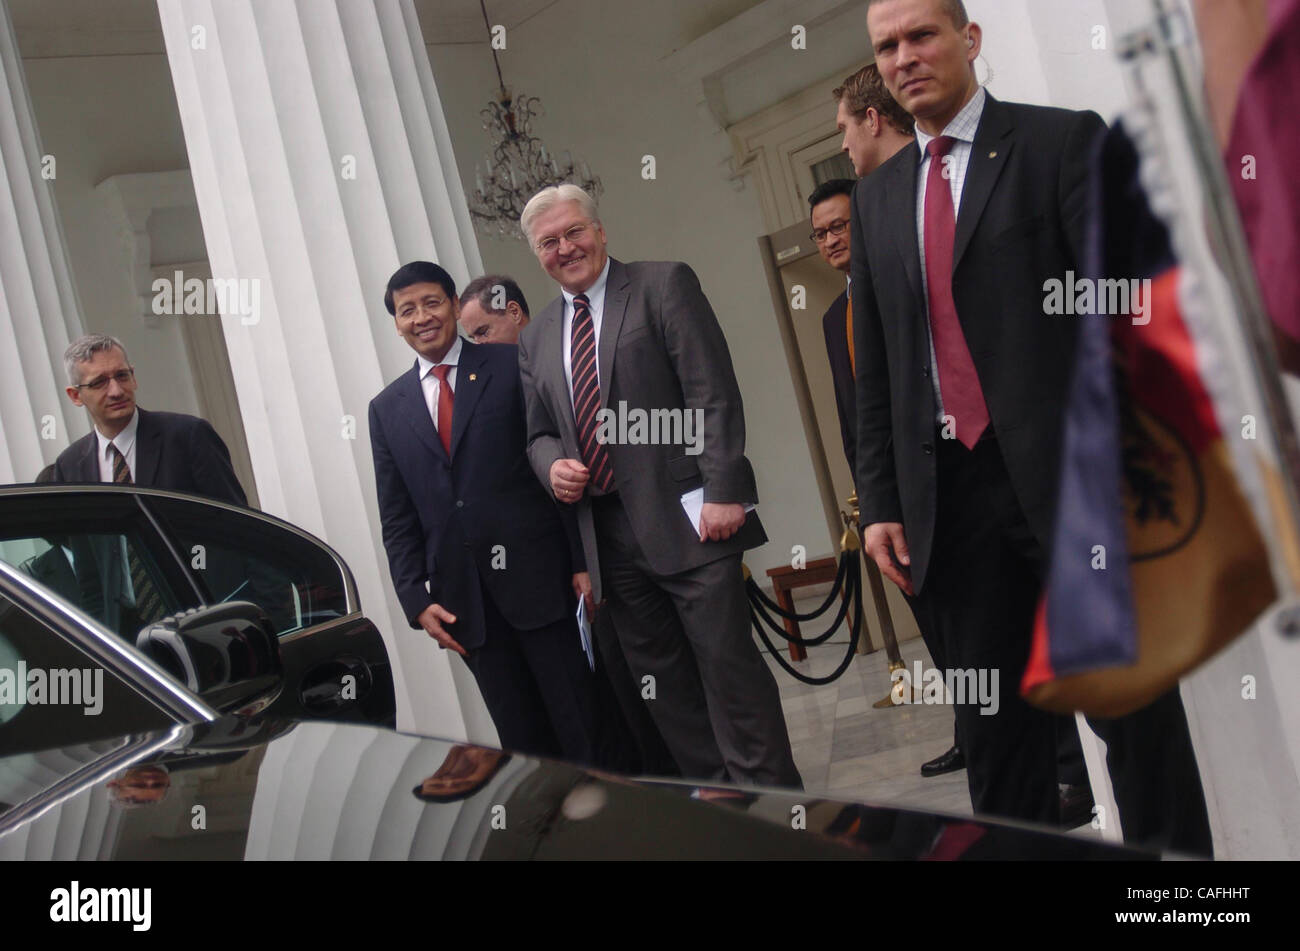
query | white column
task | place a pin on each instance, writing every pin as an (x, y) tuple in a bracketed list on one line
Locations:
[(39, 311), (321, 162)]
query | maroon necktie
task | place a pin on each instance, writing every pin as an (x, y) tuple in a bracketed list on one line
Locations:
[(445, 398), (586, 396), (959, 384)]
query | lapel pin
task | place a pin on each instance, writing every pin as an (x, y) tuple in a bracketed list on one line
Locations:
[(993, 155), (473, 376)]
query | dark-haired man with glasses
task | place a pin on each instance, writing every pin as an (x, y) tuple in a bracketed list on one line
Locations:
[(135, 446)]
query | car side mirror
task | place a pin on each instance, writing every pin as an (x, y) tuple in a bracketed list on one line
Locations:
[(227, 653)]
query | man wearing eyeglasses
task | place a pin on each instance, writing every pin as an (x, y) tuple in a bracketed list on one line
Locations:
[(131, 445), (664, 520)]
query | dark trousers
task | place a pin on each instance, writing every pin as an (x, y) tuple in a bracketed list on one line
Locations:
[(1154, 775), (650, 755), (714, 699), (542, 695), (978, 604)]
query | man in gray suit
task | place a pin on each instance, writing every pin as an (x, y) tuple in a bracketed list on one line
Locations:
[(635, 418)]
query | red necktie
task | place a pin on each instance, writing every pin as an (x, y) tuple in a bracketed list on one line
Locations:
[(959, 384), (445, 399), (586, 396)]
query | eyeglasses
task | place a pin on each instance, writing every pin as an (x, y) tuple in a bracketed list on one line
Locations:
[(548, 245), (836, 228), (430, 304), (123, 377)]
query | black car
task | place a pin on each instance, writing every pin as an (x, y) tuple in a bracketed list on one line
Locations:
[(186, 607), (262, 788), (201, 735)]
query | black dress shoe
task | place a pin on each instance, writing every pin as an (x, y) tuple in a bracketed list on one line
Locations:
[(1076, 805), (949, 762)]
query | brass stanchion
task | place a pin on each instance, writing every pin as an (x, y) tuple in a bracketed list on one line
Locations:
[(851, 541)]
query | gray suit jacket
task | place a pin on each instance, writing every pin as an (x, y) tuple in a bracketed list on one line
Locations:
[(660, 348)]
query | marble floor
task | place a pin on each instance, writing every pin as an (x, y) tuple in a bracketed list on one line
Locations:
[(845, 747)]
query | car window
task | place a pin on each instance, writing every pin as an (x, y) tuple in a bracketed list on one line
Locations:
[(54, 694), (102, 566), (238, 557)]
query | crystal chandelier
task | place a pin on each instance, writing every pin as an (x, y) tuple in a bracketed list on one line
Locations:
[(519, 166)]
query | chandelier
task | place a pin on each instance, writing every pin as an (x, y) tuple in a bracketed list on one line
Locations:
[(519, 165)]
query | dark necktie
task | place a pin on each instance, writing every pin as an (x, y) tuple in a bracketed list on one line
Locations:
[(148, 602), (445, 400), (586, 396), (959, 384), (848, 328)]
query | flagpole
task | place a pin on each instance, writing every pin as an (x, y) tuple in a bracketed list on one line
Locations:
[(1167, 39)]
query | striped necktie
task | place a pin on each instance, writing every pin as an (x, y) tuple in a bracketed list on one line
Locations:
[(586, 396), (148, 602)]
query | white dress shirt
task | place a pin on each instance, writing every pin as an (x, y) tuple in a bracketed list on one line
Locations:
[(125, 443), (430, 383), (962, 128), (596, 300)]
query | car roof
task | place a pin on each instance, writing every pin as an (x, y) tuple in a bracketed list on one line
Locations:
[(299, 789)]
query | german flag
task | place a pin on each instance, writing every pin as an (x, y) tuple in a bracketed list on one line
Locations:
[(1158, 561)]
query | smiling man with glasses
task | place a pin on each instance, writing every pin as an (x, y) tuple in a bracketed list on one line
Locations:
[(131, 445), (663, 527)]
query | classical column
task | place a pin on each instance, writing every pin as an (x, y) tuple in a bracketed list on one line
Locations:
[(321, 161), (39, 311)]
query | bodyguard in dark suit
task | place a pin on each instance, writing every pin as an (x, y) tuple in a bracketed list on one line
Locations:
[(477, 551), (641, 338), (961, 384), (134, 445)]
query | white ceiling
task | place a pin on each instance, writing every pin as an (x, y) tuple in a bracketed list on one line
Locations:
[(56, 28)]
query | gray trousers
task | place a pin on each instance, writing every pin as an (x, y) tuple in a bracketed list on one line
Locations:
[(714, 699)]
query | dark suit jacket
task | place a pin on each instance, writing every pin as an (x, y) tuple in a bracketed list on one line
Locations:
[(846, 395), (443, 518), (660, 348), (173, 451), (1021, 223)]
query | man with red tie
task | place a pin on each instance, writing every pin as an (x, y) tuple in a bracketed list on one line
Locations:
[(478, 552), (962, 384)]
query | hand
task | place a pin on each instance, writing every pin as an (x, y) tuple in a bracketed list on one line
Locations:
[(884, 541), (720, 520), (568, 479), (431, 619), (582, 588)]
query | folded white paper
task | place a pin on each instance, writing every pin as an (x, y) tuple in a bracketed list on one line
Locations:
[(693, 505)]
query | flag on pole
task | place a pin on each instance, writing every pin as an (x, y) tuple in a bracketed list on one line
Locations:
[(1157, 562)]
